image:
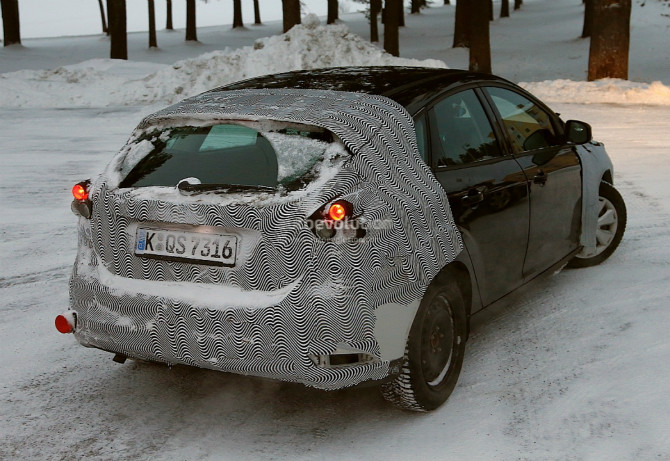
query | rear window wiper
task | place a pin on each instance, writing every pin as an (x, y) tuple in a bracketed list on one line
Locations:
[(185, 186)]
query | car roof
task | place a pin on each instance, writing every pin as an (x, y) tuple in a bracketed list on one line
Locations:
[(410, 87)]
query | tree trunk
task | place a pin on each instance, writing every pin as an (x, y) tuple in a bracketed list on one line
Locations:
[(401, 13), (375, 9), (491, 13), (237, 14), (333, 11), (168, 15), (610, 39), (191, 33), (257, 13), (461, 39), (391, 24), (480, 45), (446, 2), (102, 18), (517, 4), (152, 25), (10, 22), (291, 12), (116, 14), (416, 7), (588, 18), (504, 9)]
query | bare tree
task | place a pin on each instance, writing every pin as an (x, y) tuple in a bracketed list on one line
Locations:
[(446, 2), (415, 7), (153, 43), (257, 13), (461, 39), (391, 24), (116, 13), (168, 15), (504, 9), (102, 18), (237, 14), (191, 33), (333, 11), (588, 18), (10, 22), (610, 39), (291, 13), (517, 4), (478, 32)]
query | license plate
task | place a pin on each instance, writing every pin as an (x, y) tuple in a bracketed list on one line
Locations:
[(206, 248)]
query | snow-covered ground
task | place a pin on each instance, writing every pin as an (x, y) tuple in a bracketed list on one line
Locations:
[(576, 368)]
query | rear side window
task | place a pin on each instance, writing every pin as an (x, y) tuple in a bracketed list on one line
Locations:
[(528, 126), (228, 154)]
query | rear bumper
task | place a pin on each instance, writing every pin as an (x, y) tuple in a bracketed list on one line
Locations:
[(282, 340)]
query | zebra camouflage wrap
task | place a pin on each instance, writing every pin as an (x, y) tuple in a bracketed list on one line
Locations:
[(291, 296)]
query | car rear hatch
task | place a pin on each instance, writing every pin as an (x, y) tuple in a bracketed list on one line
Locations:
[(221, 204)]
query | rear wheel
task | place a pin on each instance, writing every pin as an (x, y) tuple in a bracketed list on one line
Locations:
[(611, 225), (434, 353)]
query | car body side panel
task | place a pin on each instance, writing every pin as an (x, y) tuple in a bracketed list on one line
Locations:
[(555, 207), (595, 165), (495, 229)]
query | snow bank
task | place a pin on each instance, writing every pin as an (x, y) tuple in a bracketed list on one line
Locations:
[(104, 82), (605, 91)]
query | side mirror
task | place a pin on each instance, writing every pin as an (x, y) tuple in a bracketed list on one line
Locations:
[(577, 132)]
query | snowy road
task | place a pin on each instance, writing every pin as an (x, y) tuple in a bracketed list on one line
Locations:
[(577, 368)]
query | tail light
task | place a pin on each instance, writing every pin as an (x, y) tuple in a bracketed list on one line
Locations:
[(340, 210), (336, 221), (80, 191), (81, 205)]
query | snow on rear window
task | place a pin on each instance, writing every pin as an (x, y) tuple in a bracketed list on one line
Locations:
[(267, 154)]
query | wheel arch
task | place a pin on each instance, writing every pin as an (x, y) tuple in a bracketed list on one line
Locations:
[(460, 272), (607, 177)]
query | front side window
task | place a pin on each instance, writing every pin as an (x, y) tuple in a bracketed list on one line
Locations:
[(227, 154), (463, 132), (528, 126)]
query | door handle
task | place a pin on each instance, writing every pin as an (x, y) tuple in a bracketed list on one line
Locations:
[(473, 197), (540, 178)]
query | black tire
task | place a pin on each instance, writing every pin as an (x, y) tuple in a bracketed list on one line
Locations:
[(434, 352), (612, 204)]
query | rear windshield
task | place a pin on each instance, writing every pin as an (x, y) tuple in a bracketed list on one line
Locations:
[(228, 154)]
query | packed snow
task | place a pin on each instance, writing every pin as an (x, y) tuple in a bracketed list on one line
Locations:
[(577, 367), (604, 91), (100, 82)]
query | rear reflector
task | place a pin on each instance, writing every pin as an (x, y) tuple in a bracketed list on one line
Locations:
[(66, 322)]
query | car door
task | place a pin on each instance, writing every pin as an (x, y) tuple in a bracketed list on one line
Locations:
[(487, 190), (534, 136)]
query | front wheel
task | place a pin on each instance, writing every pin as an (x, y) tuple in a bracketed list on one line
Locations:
[(611, 225), (434, 353)]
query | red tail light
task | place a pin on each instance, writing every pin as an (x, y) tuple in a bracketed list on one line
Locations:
[(80, 191), (336, 221), (81, 205), (65, 322), (339, 210)]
